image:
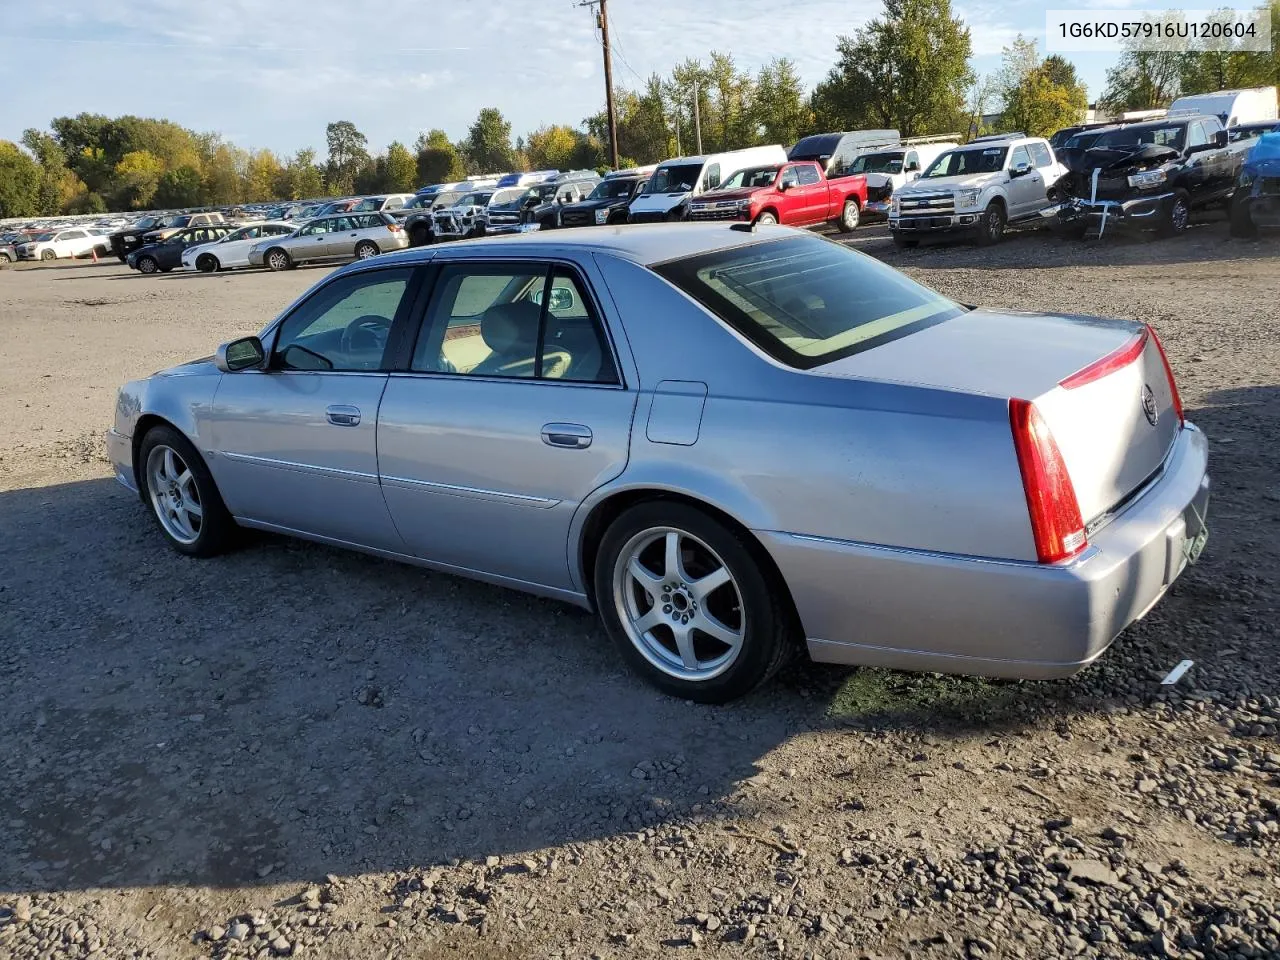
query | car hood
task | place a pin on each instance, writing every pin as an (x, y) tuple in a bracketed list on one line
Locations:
[(1123, 160), (721, 196), (657, 202), (599, 204), (192, 368), (935, 184)]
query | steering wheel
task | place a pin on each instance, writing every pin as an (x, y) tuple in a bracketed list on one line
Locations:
[(366, 334)]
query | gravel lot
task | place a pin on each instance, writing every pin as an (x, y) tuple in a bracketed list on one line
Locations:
[(295, 751)]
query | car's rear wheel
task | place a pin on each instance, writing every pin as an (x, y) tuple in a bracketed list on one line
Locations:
[(48, 255), (991, 226), (207, 263), (1177, 215), (366, 249), (851, 216), (183, 498), (688, 603), (419, 236), (148, 265), (766, 218), (278, 259)]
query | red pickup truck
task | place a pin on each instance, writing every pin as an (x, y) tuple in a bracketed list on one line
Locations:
[(797, 194)]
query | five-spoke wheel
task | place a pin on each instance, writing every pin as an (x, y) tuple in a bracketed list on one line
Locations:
[(178, 487)]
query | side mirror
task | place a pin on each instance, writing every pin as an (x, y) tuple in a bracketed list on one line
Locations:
[(785, 185), (243, 354), (1220, 138), (1020, 170)]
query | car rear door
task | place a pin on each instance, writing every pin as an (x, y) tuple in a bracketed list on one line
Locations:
[(505, 420), (295, 444)]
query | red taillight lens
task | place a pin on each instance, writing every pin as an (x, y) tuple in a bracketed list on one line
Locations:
[(394, 227), (1051, 499), (1124, 355), (1168, 370)]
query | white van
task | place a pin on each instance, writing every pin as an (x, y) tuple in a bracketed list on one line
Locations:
[(666, 196), (1232, 107), (892, 168)]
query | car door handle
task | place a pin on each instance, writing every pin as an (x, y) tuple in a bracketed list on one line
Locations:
[(574, 436), (341, 415)]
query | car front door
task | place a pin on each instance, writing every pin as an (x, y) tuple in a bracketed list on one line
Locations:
[(295, 444), (512, 411), (314, 240), (1027, 190), (815, 197)]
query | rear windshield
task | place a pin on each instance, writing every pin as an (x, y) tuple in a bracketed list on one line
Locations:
[(807, 301)]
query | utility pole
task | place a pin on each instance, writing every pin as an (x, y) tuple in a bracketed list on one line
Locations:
[(697, 120), (602, 21), (678, 130)]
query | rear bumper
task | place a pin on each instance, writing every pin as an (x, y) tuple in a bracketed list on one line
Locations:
[(120, 452), (914, 610)]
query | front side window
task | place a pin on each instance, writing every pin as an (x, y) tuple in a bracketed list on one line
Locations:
[(320, 226), (712, 179), (523, 321), (1020, 158), (789, 178), (344, 326), (807, 301), (1195, 135)]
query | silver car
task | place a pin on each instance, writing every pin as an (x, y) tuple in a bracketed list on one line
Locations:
[(339, 236), (733, 443)]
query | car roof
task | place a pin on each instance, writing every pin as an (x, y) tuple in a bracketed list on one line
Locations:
[(646, 243)]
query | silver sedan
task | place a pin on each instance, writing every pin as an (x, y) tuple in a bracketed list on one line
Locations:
[(732, 443)]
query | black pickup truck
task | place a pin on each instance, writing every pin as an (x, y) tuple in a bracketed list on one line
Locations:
[(1145, 176)]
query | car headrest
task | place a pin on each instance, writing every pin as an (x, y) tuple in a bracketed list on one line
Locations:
[(511, 328)]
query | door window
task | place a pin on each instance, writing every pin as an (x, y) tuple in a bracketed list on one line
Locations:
[(790, 177), (519, 321), (344, 325), (913, 162), (1040, 155), (319, 227), (713, 176), (808, 174), (1195, 135), (1020, 157)]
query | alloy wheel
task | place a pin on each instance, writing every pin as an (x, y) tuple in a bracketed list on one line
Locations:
[(1179, 215), (147, 265), (679, 604), (277, 260), (175, 498)]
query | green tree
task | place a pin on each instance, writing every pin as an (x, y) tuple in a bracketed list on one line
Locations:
[(58, 185), (348, 153), (1040, 95), (19, 182), (137, 177), (222, 176), (645, 125), (262, 176), (779, 110), (552, 147), (303, 177), (402, 168), (907, 69), (488, 145), (438, 160), (182, 187)]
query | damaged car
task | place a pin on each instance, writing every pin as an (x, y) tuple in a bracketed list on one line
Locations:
[(1145, 176), (1256, 201)]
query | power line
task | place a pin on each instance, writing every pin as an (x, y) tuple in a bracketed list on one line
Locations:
[(215, 48)]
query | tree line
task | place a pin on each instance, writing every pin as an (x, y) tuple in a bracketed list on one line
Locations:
[(908, 69)]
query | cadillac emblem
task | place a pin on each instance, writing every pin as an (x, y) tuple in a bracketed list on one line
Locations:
[(1149, 405)]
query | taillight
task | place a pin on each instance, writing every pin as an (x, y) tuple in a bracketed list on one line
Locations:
[(1051, 498), (1122, 356), (1168, 372), (394, 227)]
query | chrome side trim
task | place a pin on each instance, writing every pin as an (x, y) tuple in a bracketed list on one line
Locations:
[(300, 467), (477, 493), (1088, 553)]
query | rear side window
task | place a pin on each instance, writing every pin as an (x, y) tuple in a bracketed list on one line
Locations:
[(808, 174), (1040, 155), (807, 301)]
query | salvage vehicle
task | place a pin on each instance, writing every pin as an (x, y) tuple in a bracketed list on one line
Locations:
[(232, 250), (538, 208), (892, 169), (915, 483), (337, 237), (55, 244), (1146, 176), (164, 255), (674, 183), (837, 152), (1256, 200), (418, 216), (608, 202), (977, 190), (795, 194), (466, 217)]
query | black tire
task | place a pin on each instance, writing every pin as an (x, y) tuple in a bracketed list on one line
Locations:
[(48, 255), (768, 217), (4, 257), (851, 216), (991, 226), (217, 528), (148, 265), (419, 236), (1242, 225), (278, 259), (904, 243), (366, 249), (1177, 215), (769, 631), (207, 263)]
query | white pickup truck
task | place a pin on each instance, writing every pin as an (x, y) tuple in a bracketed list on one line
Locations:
[(977, 189), (889, 169)]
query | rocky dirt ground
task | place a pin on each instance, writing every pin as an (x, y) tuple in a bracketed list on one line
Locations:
[(296, 751)]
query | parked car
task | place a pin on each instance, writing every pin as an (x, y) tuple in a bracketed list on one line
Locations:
[(1060, 137), (1146, 176), (335, 237), (8, 253), (539, 206), (1231, 107), (976, 190), (182, 222), (607, 203), (345, 205), (917, 484), (795, 194), (165, 255), (466, 216), (675, 183), (388, 203), (420, 222), (61, 244), (837, 152), (232, 250), (893, 168), (1256, 200), (1250, 131)]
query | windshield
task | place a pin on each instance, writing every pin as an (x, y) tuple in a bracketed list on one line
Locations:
[(1081, 141), (146, 222), (751, 177), (474, 200), (612, 189), (806, 300), (878, 163), (677, 178), (960, 163), (506, 196), (1137, 137)]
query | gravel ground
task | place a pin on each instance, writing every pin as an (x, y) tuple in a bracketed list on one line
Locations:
[(295, 751)]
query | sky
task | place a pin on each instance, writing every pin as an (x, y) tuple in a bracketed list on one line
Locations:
[(273, 73)]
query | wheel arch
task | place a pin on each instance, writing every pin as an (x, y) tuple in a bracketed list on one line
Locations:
[(770, 210), (608, 508)]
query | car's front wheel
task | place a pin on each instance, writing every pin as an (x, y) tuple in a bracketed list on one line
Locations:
[(4, 257), (688, 603), (148, 265), (207, 263), (767, 218), (278, 259), (991, 226), (1177, 215), (178, 487), (48, 255)]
